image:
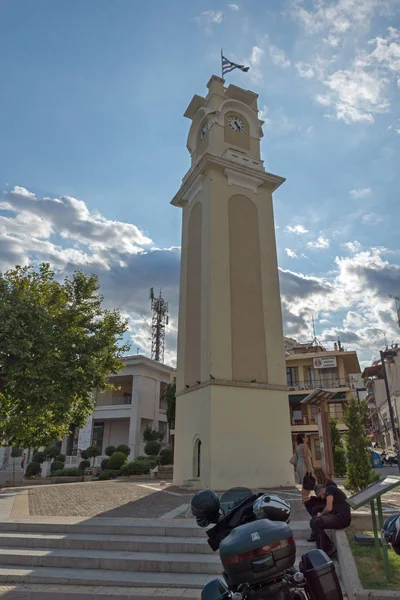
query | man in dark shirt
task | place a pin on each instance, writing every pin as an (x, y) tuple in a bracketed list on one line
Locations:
[(335, 515)]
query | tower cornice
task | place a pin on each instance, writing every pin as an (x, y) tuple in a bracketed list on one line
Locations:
[(258, 176)]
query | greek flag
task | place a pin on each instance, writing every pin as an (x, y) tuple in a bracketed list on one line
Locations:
[(228, 66)]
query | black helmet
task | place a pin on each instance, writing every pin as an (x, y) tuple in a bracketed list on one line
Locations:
[(391, 531), (205, 507), (272, 507)]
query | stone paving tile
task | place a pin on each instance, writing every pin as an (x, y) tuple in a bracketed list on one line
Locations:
[(101, 499)]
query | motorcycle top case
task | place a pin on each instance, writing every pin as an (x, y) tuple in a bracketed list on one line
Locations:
[(320, 573), (257, 552)]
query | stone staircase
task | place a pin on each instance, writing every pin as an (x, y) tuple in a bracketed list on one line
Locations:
[(145, 553)]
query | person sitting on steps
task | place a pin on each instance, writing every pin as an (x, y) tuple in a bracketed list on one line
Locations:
[(335, 515), (316, 504)]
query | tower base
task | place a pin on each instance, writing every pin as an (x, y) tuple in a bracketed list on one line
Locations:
[(231, 435)]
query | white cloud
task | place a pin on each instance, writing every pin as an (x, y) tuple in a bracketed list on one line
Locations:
[(352, 246), (371, 218), (254, 61), (356, 95), (361, 192), (278, 57), (210, 18), (321, 243), (291, 253), (305, 70), (332, 41), (299, 229), (234, 6)]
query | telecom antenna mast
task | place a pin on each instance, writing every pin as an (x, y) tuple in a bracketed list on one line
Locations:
[(159, 322)]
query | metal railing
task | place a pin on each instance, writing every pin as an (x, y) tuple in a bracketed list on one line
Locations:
[(325, 382)]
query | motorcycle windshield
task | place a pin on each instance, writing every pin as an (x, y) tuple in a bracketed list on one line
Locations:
[(233, 497)]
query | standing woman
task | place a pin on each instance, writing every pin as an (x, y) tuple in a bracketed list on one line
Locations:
[(304, 464)]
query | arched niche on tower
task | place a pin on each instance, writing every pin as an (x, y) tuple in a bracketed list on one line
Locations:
[(249, 360)]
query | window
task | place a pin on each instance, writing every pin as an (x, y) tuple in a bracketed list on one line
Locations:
[(336, 411), (98, 435), (317, 449), (72, 442), (163, 387), (163, 428), (291, 376), (314, 413)]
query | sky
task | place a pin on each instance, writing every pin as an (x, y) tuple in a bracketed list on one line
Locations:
[(93, 148)]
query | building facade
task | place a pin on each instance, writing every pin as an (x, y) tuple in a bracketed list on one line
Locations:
[(380, 423), (309, 367), (121, 415)]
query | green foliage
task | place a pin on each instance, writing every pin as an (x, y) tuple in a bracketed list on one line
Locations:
[(109, 474), (52, 451), (124, 449), (152, 448), (339, 454), (16, 452), (152, 435), (116, 461), (104, 464), (57, 465), (85, 454), (84, 464), (57, 345), (39, 457), (109, 451), (151, 460), (91, 452), (72, 472), (166, 456), (33, 469), (136, 467), (359, 472), (170, 399), (61, 458)]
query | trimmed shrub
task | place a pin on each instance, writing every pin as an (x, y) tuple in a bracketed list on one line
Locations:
[(104, 464), (109, 474), (61, 458), (116, 461), (152, 435), (127, 469), (84, 464), (166, 456), (124, 449), (57, 465), (152, 448), (52, 451), (110, 450), (85, 454), (152, 461), (141, 468), (33, 469), (38, 457), (72, 472)]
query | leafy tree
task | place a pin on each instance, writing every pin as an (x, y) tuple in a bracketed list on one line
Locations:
[(152, 448), (359, 472), (57, 345), (91, 452), (339, 455), (124, 449), (170, 400), (152, 435), (116, 461), (109, 451)]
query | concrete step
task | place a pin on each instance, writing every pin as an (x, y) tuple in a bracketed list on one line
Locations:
[(146, 527), (156, 562), (127, 543), (93, 577)]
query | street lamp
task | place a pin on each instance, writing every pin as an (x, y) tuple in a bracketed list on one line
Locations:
[(390, 354)]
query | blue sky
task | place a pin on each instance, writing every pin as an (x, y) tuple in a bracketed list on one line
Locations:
[(91, 117)]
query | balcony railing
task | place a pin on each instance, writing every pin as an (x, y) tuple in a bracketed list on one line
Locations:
[(121, 400), (326, 382), (303, 421)]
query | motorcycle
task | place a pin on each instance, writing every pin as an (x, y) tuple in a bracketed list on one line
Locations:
[(258, 554), (388, 459)]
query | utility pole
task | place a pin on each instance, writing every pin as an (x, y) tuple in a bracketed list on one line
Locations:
[(390, 354), (160, 320)]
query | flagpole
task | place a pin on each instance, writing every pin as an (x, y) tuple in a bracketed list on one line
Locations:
[(222, 67)]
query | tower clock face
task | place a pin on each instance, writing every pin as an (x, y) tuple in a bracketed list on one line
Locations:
[(204, 130), (236, 124)]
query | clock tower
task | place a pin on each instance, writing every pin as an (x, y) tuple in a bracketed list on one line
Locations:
[(232, 413)]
